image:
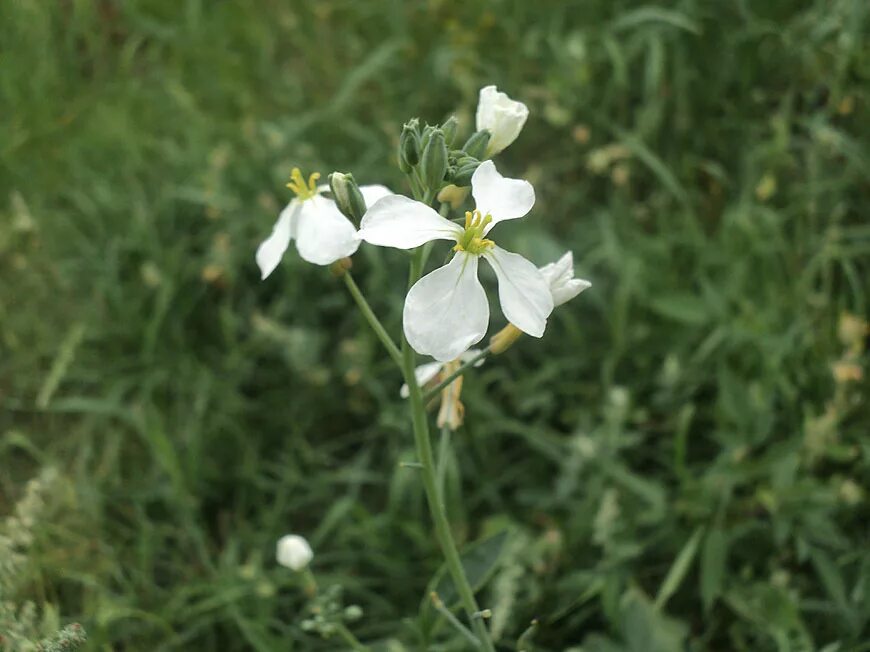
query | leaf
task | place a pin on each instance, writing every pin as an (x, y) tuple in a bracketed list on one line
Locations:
[(685, 308), (651, 14), (833, 582), (646, 629), (479, 562), (714, 556), (679, 569)]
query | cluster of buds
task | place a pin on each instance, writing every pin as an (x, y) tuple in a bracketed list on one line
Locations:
[(329, 614), (431, 151)]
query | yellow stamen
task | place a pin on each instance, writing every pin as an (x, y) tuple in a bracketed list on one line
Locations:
[(472, 240), (297, 184)]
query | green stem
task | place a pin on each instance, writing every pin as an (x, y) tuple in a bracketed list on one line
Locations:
[(350, 639), (423, 444), (372, 319), (432, 393), (443, 454)]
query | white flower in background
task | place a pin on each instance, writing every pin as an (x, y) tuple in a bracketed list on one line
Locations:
[(563, 287), (294, 552), (501, 116), (323, 235), (560, 276), (430, 371), (446, 311)]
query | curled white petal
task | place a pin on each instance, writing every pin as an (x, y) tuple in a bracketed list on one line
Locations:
[(560, 277), (503, 198), (424, 373), (502, 116), (294, 552), (323, 234), (446, 311), (396, 221), (522, 291), (272, 249)]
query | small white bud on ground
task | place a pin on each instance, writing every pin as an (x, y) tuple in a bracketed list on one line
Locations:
[(294, 552)]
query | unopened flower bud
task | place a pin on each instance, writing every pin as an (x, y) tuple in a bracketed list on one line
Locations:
[(294, 552), (409, 146), (453, 195), (434, 161), (502, 116), (449, 128), (347, 196), (476, 145), (464, 170)]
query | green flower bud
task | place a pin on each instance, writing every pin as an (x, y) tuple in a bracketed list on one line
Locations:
[(409, 146), (347, 196), (434, 161), (476, 145), (464, 171), (449, 128), (425, 136)]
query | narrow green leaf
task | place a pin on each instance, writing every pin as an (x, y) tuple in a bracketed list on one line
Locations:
[(714, 556), (650, 14), (679, 569)]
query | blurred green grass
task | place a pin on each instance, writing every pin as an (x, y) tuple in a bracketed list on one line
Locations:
[(708, 165)]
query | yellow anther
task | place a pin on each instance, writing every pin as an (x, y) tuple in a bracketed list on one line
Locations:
[(474, 246), (297, 184), (472, 239)]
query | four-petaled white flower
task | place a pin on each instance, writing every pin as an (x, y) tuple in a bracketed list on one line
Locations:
[(323, 235), (446, 311), (294, 552), (560, 276), (501, 116)]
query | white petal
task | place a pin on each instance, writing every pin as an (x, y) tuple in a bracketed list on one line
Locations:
[(522, 290), (560, 278), (503, 198), (424, 373), (272, 249), (396, 221), (568, 290), (446, 311), (502, 116), (323, 234), (373, 193), (559, 271)]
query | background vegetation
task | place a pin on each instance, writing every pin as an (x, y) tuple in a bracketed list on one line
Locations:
[(681, 463)]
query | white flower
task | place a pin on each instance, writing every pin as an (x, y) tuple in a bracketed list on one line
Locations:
[(560, 276), (294, 552), (428, 372), (323, 235), (446, 311), (501, 116)]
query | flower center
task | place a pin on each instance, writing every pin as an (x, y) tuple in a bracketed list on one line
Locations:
[(472, 240), (297, 184)]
